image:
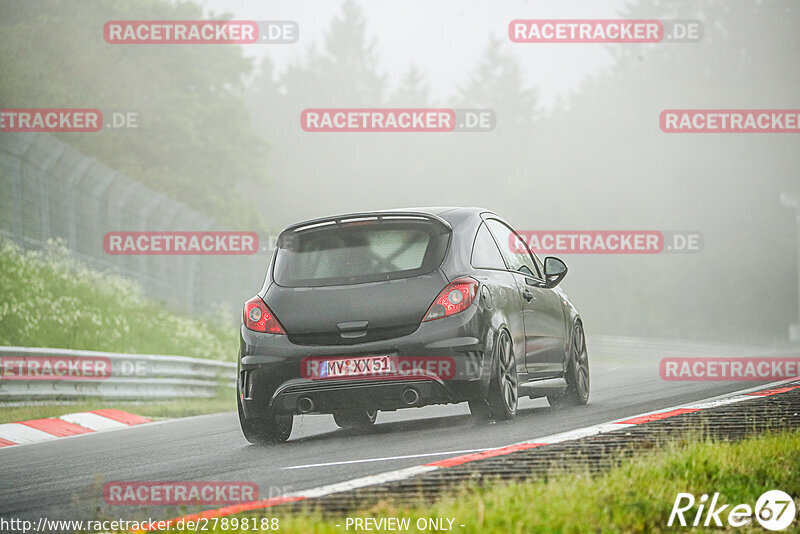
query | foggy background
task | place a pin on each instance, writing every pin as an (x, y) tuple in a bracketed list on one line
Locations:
[(577, 144)]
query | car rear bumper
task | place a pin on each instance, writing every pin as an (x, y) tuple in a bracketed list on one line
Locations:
[(271, 370), (327, 397)]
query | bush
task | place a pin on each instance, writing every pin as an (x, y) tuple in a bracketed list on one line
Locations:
[(51, 299)]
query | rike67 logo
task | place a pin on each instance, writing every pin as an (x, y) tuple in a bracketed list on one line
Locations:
[(774, 510)]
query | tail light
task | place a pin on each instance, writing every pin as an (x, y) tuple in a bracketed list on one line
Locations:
[(259, 318), (455, 298)]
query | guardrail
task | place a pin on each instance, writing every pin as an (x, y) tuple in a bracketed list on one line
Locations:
[(150, 376), (31, 374)]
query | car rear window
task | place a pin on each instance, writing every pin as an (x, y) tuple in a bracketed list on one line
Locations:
[(359, 252)]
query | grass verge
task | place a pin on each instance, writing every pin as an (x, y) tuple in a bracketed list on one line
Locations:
[(634, 497)]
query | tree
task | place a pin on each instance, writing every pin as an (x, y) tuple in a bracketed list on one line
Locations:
[(497, 84), (345, 72), (412, 92), (194, 140)]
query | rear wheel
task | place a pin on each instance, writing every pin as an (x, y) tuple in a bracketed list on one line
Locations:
[(577, 375), (265, 429), (501, 400), (355, 418)]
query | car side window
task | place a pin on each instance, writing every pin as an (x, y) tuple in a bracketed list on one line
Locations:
[(485, 254), (513, 248)]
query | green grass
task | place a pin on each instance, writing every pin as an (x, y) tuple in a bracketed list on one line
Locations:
[(50, 299), (635, 497), (155, 410)]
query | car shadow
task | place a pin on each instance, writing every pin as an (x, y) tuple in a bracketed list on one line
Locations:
[(418, 426)]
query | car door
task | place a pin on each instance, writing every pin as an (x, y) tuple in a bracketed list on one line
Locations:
[(499, 289), (542, 309)]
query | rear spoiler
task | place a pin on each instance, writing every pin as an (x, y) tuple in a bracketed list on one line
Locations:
[(378, 216)]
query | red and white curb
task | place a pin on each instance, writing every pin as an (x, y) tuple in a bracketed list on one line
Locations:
[(406, 473), (72, 424)]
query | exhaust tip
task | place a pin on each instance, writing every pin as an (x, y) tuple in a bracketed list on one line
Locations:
[(305, 405), (410, 396)]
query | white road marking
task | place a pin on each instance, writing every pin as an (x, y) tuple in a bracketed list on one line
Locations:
[(363, 482), (92, 421), (718, 402), (388, 458), (23, 434), (579, 433)]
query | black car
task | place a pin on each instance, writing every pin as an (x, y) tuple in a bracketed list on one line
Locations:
[(404, 308)]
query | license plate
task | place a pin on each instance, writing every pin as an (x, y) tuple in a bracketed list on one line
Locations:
[(357, 366)]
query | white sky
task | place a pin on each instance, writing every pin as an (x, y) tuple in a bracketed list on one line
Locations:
[(443, 38)]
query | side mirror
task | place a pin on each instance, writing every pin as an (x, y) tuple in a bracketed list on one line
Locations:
[(554, 271)]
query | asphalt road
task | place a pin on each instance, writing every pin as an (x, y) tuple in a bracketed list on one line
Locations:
[(64, 478)]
